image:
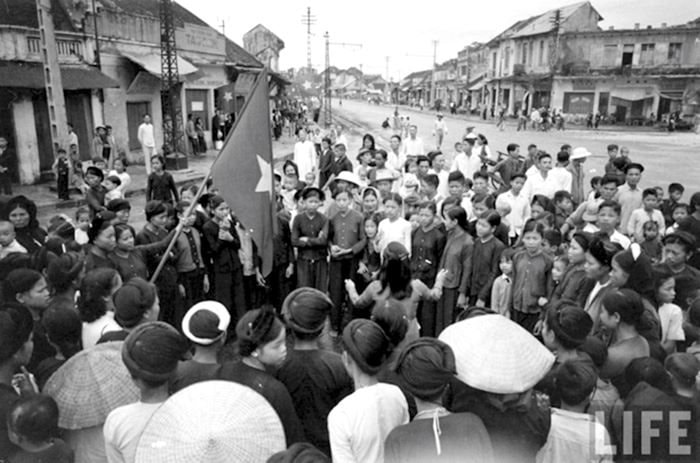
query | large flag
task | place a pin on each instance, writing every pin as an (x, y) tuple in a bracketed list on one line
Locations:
[(243, 170)]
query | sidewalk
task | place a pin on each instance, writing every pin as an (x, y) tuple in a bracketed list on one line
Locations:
[(47, 202)]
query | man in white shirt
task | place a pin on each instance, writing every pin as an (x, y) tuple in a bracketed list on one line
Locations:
[(561, 174), (396, 158), (440, 130), (413, 145), (519, 204), (542, 182), (72, 136), (305, 156), (465, 161), (147, 139)]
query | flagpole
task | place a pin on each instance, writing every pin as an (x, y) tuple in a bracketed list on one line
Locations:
[(261, 74)]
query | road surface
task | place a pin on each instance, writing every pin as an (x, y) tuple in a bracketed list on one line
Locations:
[(667, 157)]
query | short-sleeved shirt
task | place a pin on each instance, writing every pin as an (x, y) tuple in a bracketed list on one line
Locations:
[(671, 318), (123, 429)]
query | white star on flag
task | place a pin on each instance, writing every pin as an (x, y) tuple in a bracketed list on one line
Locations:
[(228, 96), (265, 182), (307, 85)]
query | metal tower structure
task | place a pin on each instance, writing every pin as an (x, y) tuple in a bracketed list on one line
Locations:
[(170, 87), (52, 76), (308, 20)]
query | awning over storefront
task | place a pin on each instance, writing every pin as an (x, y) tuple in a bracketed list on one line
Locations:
[(675, 96), (31, 75), (632, 93), (477, 86), (151, 63)]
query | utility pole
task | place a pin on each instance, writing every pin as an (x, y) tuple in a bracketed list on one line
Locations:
[(433, 90), (308, 20), (52, 76), (328, 119), (170, 87), (223, 27)]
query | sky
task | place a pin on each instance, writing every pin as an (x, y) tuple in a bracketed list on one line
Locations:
[(404, 32)]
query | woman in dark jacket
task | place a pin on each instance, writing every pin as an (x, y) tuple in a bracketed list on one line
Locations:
[(223, 245), (21, 211)]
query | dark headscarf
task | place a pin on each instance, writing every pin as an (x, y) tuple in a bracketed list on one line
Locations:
[(16, 325), (638, 265), (152, 351), (306, 309), (425, 367), (100, 222), (367, 344)]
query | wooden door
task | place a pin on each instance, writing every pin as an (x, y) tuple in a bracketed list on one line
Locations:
[(42, 125), (79, 113)]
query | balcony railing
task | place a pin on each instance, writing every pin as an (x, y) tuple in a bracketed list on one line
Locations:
[(65, 47)]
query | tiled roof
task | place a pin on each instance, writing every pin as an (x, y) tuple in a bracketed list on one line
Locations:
[(235, 54), (151, 8), (23, 13)]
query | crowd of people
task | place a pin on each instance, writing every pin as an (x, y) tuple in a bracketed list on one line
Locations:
[(423, 305)]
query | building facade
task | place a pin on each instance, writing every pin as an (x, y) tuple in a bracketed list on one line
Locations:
[(264, 45), (633, 76), (113, 79)]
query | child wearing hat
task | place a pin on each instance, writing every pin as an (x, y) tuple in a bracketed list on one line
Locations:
[(315, 377), (310, 237), (151, 353), (425, 368), (33, 427), (205, 324)]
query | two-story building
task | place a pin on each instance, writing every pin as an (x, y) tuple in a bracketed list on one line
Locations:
[(446, 82), (111, 67), (523, 58), (472, 74), (635, 75), (24, 117)]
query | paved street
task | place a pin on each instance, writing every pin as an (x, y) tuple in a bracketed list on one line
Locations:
[(667, 157)]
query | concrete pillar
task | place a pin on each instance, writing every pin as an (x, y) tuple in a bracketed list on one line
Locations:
[(655, 104), (596, 98), (511, 99), (96, 106), (26, 139)]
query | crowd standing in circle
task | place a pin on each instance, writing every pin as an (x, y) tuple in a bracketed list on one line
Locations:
[(423, 305)]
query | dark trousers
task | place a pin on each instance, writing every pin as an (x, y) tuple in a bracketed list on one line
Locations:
[(194, 142), (5, 184), (229, 290), (526, 320), (427, 314), (340, 270), (193, 282), (279, 286), (62, 186), (313, 273), (446, 307), (251, 292)]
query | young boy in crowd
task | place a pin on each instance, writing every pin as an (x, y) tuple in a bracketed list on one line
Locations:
[(61, 167), (481, 184), (458, 189), (607, 192), (33, 427), (596, 184), (423, 163), (101, 164), (551, 243), (651, 244), (680, 212), (518, 203), (500, 292), (94, 191), (82, 221), (289, 190), (429, 188), (486, 257), (310, 237), (648, 211), (8, 243), (612, 155), (563, 207), (675, 193), (193, 282), (608, 221), (346, 237), (575, 434), (112, 184)]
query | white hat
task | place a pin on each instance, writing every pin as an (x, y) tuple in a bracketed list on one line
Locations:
[(347, 176), (383, 176), (470, 136), (213, 422), (496, 355), (210, 327), (580, 153)]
